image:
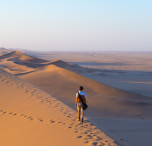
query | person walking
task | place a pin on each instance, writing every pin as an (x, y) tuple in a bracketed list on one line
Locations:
[(78, 103)]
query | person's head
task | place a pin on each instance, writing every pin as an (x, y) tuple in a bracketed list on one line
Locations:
[(80, 88)]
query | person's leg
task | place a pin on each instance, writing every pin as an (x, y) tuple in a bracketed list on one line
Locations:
[(82, 114), (79, 114), (78, 109)]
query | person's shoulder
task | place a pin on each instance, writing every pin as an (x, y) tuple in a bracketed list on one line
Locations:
[(82, 92)]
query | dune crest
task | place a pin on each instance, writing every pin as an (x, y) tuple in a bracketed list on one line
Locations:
[(103, 99), (18, 56), (19, 63), (30, 117), (3, 50), (56, 78)]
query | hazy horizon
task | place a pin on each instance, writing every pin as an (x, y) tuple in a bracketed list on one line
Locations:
[(87, 25), (72, 51)]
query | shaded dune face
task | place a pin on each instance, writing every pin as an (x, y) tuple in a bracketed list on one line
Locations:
[(4, 51), (13, 61), (17, 56), (57, 79), (102, 99)]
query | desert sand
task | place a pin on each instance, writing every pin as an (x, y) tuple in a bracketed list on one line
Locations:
[(29, 116), (108, 105), (130, 71)]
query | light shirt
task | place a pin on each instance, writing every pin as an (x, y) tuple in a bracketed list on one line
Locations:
[(81, 93)]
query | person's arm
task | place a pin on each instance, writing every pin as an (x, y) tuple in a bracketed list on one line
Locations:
[(76, 100)]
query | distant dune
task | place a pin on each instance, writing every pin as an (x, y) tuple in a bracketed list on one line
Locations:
[(110, 60), (20, 58), (19, 63), (4, 50), (57, 79)]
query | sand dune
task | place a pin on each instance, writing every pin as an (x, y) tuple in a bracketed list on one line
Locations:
[(102, 99), (19, 63), (132, 61), (59, 79), (18, 56), (56, 78), (29, 116), (4, 51), (71, 67)]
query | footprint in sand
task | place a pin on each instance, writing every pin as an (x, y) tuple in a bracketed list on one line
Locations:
[(94, 144), (79, 136), (41, 120), (14, 114), (73, 120), (98, 138), (4, 112), (21, 114), (71, 124), (30, 118), (86, 141), (65, 113), (86, 132), (52, 121), (88, 137)]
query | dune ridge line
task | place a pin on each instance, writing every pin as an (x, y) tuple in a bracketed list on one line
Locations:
[(40, 108)]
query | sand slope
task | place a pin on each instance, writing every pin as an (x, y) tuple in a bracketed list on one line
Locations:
[(27, 105), (3, 51), (19, 63), (56, 78), (102, 99), (18, 56), (29, 116)]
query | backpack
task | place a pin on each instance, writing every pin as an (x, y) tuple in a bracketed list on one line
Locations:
[(83, 98), (84, 105)]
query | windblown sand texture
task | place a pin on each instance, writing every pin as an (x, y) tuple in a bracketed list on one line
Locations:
[(130, 71), (60, 80), (57, 79), (29, 116)]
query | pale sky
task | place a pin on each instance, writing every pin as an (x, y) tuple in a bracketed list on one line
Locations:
[(76, 25)]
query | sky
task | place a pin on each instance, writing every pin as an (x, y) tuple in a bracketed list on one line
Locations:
[(76, 25)]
